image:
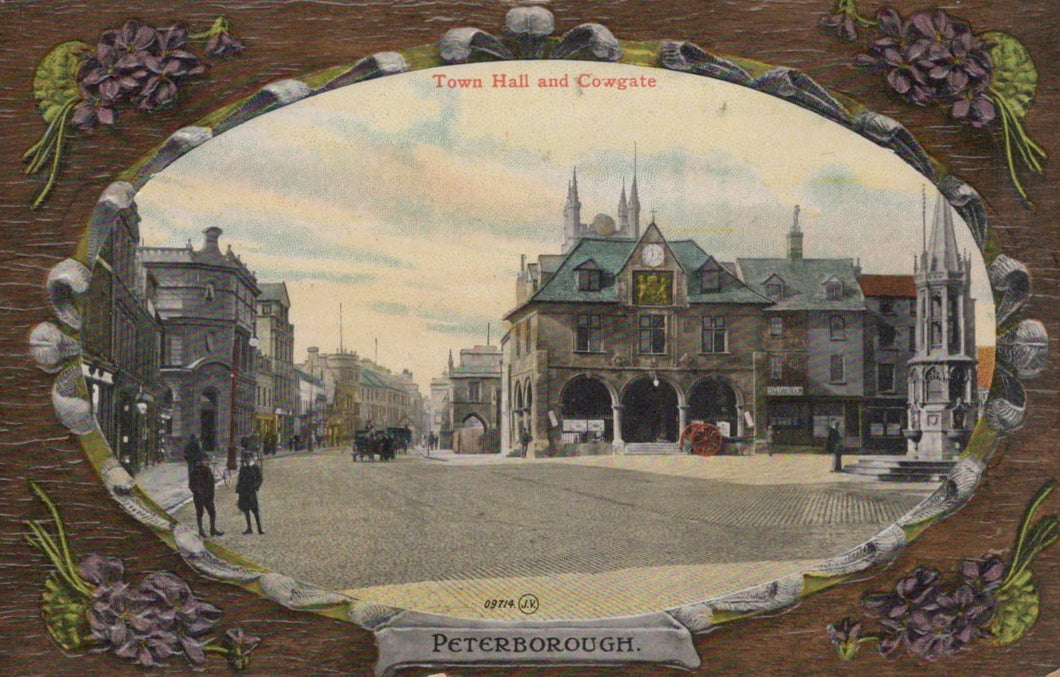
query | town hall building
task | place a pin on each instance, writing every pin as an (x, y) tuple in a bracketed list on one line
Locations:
[(625, 338)]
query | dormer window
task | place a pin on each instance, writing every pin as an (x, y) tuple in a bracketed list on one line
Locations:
[(775, 288), (833, 289), (709, 276), (589, 275)]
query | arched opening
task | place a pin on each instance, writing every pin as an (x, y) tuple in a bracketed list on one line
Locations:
[(713, 400), (469, 438), (516, 418), (649, 411), (587, 411), (208, 419)]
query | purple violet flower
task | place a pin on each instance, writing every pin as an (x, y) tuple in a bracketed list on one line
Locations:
[(171, 55), (845, 636), (909, 593), (100, 570), (160, 88), (983, 574), (104, 74), (223, 44), (238, 645), (133, 40), (842, 24)]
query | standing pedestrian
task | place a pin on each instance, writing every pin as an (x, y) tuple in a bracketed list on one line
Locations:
[(525, 439), (832, 446), (247, 487), (201, 483), (193, 452)]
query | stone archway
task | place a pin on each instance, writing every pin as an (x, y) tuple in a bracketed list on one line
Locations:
[(588, 399), (469, 437), (713, 400), (650, 411)]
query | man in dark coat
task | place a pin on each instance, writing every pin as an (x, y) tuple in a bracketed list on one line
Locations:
[(247, 487), (201, 483), (193, 452), (833, 447)]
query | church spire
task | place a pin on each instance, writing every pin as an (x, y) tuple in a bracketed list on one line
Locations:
[(942, 255), (572, 214), (623, 211), (634, 200)]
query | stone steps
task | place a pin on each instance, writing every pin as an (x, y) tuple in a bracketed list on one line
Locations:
[(900, 469), (644, 448)]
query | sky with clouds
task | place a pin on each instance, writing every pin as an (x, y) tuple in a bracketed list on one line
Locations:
[(410, 204)]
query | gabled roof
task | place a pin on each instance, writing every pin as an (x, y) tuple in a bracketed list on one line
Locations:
[(274, 291), (611, 255), (898, 286), (804, 282)]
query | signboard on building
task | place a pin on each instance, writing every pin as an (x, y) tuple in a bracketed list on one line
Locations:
[(789, 391)]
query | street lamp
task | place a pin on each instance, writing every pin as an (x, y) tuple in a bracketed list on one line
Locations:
[(232, 461)]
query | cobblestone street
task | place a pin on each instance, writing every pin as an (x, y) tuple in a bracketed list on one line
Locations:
[(587, 536)]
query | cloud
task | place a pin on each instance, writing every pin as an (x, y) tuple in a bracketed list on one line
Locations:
[(389, 308)]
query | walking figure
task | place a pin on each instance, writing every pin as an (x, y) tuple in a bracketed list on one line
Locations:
[(833, 447), (525, 441), (247, 487), (201, 483), (193, 452)]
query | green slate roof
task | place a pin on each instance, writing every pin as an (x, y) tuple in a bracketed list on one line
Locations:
[(611, 255), (804, 282)]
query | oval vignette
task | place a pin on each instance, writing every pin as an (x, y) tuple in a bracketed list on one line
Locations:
[(587, 258)]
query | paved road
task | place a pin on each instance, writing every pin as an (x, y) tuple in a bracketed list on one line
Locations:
[(353, 525)]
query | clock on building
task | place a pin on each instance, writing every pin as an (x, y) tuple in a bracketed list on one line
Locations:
[(652, 255)]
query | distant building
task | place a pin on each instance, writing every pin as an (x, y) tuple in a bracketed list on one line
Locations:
[(121, 347), (943, 385), (277, 401), (441, 415), (206, 298), (340, 373), (361, 393), (814, 342), (475, 400), (312, 406), (890, 342)]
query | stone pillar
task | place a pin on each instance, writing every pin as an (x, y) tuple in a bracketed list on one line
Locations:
[(617, 424), (682, 418)]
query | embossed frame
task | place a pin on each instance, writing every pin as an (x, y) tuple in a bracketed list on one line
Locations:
[(1021, 346)]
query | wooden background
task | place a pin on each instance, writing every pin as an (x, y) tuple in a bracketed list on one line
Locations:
[(285, 38)]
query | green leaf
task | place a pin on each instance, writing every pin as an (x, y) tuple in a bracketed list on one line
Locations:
[(55, 83), (1017, 610), (1015, 78), (64, 613)]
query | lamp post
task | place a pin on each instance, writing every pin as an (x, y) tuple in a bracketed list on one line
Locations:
[(233, 450), (312, 396)]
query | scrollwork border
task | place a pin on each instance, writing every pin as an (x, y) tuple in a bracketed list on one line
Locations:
[(527, 34)]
